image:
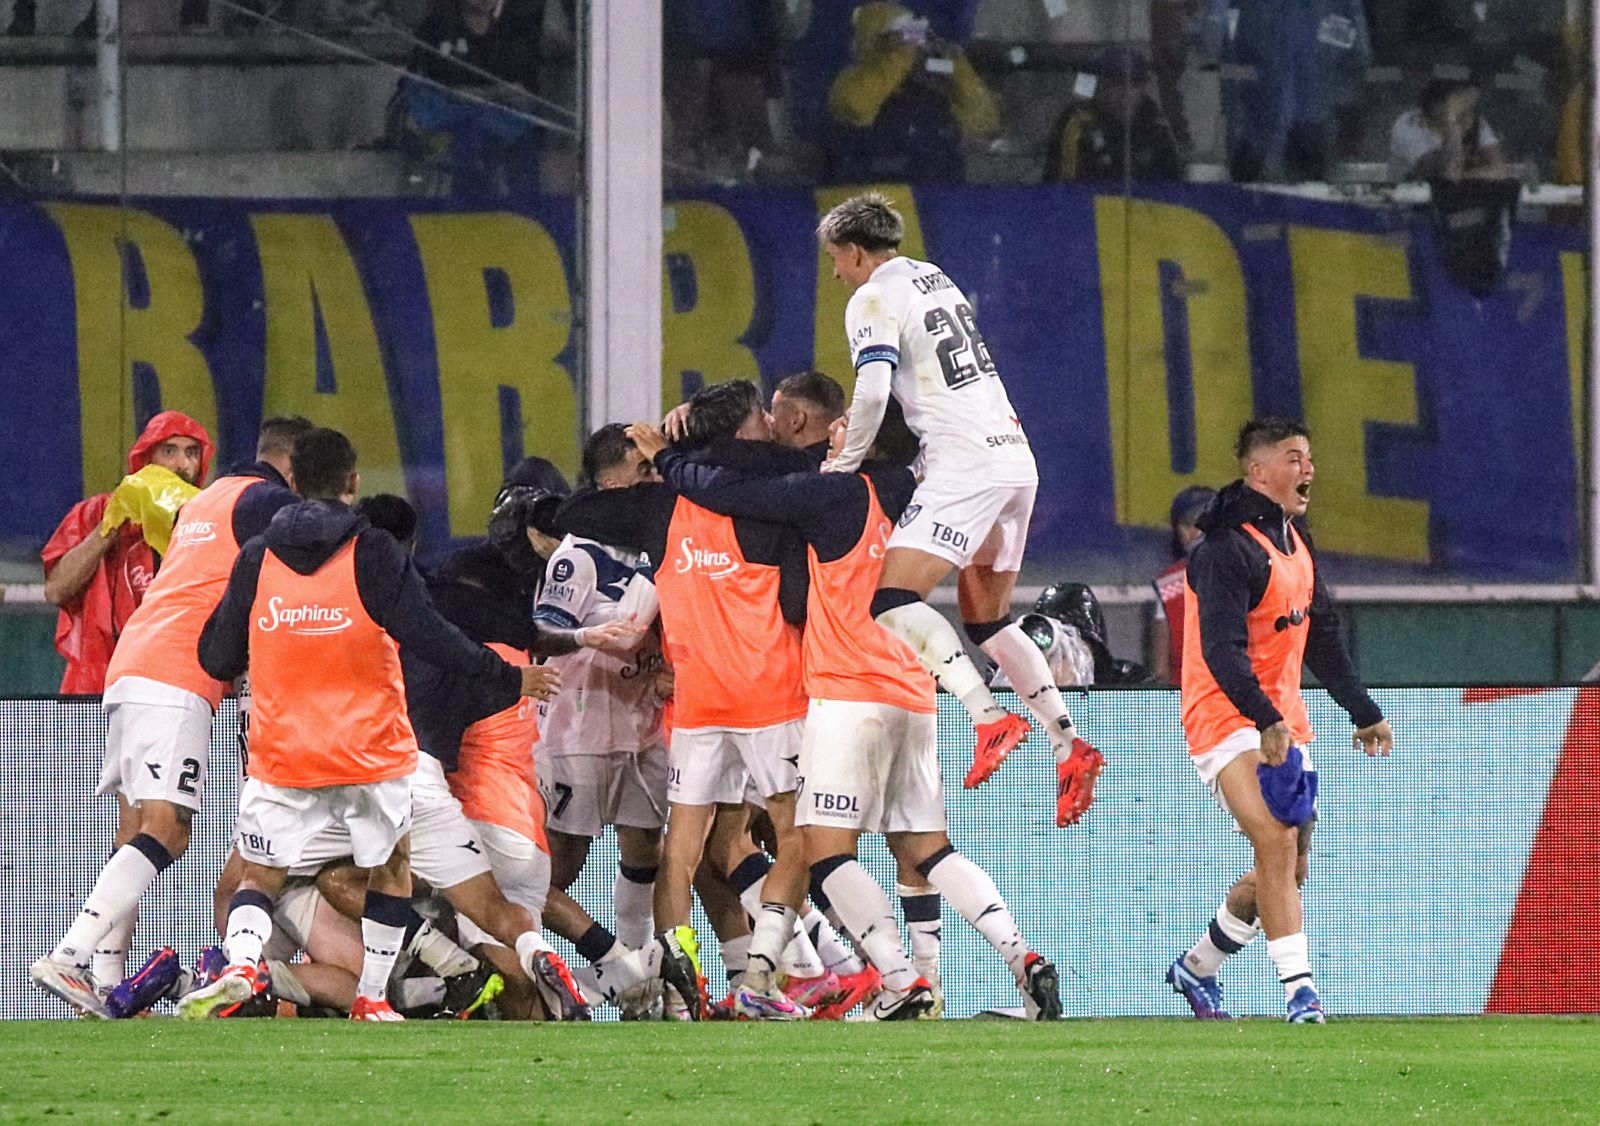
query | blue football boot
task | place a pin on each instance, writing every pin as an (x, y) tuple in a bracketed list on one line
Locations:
[(1204, 994)]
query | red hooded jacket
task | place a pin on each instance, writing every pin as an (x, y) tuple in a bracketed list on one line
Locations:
[(87, 630)]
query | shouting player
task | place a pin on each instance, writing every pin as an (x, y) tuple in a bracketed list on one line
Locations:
[(912, 333), (1255, 608)]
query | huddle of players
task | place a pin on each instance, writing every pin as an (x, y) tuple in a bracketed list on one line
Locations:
[(791, 584), (364, 696)]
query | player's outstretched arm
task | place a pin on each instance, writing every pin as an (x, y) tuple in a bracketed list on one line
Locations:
[(867, 405)]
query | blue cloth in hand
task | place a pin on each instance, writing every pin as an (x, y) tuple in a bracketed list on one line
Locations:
[(1290, 789)]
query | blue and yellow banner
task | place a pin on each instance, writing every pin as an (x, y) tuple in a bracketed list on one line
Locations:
[(1134, 335)]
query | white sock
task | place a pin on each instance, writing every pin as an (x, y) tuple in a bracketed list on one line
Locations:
[(1292, 956), (413, 992), (111, 952), (1019, 658), (629, 966), (1226, 935), (439, 952), (736, 955), (836, 954), (530, 944), (801, 959), (866, 913), (381, 945), (116, 893), (968, 889), (249, 927), (634, 904), (921, 908), (773, 930), (937, 645)]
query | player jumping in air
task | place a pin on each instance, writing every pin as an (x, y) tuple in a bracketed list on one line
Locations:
[(912, 333)]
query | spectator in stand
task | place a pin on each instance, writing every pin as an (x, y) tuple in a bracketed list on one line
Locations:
[(98, 578), (725, 97), (488, 49), (1445, 137), (902, 109), (1288, 68), (1113, 130), (1447, 142), (193, 15), (1173, 24), (1166, 629)]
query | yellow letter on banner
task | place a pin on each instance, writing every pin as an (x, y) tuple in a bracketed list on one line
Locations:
[(306, 274), (703, 255), (477, 357), (1575, 288), (1134, 237), (832, 349), (113, 334), (1342, 391)]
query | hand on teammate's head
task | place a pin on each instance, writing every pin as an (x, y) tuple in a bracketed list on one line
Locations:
[(676, 421), (648, 438)]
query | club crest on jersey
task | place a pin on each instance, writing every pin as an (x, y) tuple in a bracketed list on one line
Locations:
[(714, 564), (911, 513), (562, 571), (309, 620)]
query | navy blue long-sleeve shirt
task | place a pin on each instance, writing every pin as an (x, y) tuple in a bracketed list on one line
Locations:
[(1229, 572), (829, 510), (305, 536), (638, 518)]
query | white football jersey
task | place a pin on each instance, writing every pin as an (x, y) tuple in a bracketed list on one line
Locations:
[(912, 315), (607, 703)]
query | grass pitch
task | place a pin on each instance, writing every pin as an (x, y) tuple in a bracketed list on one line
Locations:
[(1351, 1071)]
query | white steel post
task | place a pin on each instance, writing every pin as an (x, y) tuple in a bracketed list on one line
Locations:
[(622, 210), (108, 73)]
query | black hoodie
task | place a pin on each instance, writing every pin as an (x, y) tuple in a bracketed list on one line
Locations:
[(305, 536), (1229, 571)]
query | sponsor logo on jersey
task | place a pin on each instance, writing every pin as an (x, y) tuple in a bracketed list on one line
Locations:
[(559, 592), (309, 620), (911, 513), (562, 571), (876, 550), (996, 441), (194, 531), (1294, 618), (713, 564)]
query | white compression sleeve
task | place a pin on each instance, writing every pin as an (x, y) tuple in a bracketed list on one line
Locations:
[(867, 405)]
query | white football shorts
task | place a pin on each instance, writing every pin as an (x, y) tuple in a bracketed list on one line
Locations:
[(158, 752), (521, 868), (967, 520), (585, 793), (282, 827), (712, 765), (870, 767)]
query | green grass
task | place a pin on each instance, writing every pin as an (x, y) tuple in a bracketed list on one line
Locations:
[(1358, 1072)]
